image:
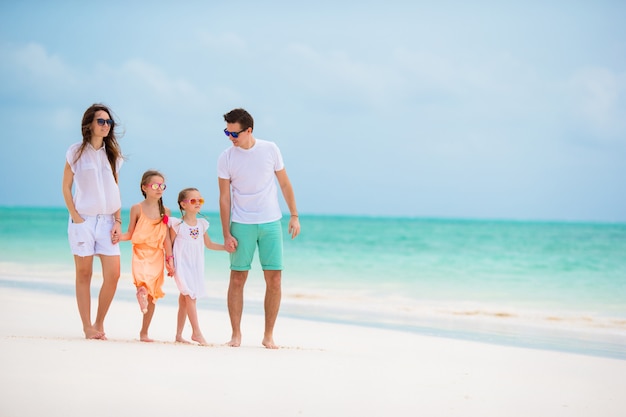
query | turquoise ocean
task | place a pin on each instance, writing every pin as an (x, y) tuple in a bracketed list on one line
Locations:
[(546, 285)]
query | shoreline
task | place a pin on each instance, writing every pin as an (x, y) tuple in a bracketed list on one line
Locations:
[(473, 325), (321, 369)]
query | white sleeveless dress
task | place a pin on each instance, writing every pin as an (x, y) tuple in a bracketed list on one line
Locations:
[(189, 257)]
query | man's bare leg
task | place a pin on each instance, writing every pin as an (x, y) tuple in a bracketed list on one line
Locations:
[(272, 305), (235, 304), (110, 275), (84, 269)]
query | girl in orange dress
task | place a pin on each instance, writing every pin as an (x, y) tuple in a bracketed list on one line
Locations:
[(152, 246)]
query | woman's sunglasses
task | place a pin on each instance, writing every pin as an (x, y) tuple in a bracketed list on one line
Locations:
[(158, 186), (235, 135), (194, 201), (101, 122)]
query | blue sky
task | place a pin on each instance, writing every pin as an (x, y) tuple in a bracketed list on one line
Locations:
[(497, 110)]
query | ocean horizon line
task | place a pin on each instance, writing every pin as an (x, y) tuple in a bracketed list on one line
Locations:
[(425, 218)]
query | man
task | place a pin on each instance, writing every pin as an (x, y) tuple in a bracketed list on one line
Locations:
[(250, 215)]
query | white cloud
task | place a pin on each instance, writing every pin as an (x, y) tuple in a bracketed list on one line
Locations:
[(137, 72), (30, 66), (34, 59)]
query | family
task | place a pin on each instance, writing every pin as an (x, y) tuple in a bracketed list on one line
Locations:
[(249, 174)]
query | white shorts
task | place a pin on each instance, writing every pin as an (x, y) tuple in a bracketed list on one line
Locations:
[(93, 236)]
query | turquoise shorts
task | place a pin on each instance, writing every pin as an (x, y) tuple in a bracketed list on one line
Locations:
[(269, 238)]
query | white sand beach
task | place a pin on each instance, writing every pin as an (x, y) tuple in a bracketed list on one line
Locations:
[(322, 369)]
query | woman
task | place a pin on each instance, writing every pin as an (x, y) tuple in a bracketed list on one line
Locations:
[(94, 228)]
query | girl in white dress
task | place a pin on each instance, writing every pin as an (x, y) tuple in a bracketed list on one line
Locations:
[(189, 236)]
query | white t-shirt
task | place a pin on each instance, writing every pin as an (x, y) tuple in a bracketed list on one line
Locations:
[(254, 195), (95, 189)]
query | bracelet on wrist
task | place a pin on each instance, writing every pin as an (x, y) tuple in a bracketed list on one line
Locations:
[(169, 257)]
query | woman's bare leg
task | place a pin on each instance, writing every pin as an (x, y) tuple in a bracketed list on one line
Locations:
[(110, 275), (84, 270)]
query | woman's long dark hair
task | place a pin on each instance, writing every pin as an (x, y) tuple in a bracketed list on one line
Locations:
[(110, 141)]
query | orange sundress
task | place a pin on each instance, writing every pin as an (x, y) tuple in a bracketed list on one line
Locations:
[(148, 260)]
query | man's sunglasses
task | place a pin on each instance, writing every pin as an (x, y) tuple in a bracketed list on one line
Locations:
[(235, 135)]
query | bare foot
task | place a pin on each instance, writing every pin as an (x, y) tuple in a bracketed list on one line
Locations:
[(268, 342), (200, 339), (180, 339), (101, 330), (145, 338), (234, 342), (92, 333)]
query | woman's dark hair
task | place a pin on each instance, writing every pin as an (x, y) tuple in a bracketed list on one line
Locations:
[(110, 142)]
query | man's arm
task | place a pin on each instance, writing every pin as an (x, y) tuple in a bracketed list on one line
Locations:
[(290, 199), (229, 241)]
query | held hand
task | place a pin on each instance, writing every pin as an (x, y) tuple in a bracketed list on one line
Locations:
[(116, 233), (169, 265), (230, 243)]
